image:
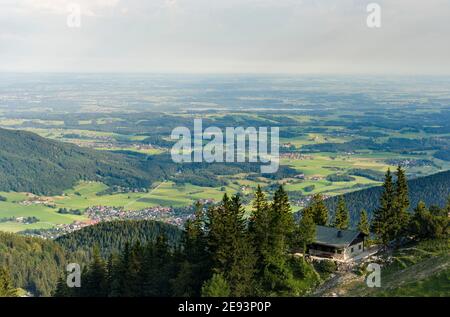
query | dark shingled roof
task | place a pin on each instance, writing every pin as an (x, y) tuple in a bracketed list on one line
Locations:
[(329, 236)]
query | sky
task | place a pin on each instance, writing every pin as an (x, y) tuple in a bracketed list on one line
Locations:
[(225, 36)]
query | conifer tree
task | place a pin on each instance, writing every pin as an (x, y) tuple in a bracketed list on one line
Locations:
[(217, 286), (447, 207), (341, 215), (398, 221), (194, 238), (281, 223), (110, 272), (382, 216), (363, 224), (242, 259), (218, 238), (318, 210), (276, 241), (196, 267), (282, 212), (418, 223), (6, 286), (163, 266), (231, 251), (136, 259), (62, 290), (426, 225), (95, 279), (306, 231), (147, 270), (121, 287), (259, 227)]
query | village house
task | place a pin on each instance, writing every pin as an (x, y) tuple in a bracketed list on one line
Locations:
[(337, 244)]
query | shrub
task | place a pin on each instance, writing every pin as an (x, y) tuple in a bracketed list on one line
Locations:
[(326, 266)]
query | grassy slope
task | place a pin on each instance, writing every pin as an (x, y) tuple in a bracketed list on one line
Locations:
[(419, 270)]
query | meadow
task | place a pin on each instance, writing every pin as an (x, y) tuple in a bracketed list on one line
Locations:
[(301, 133)]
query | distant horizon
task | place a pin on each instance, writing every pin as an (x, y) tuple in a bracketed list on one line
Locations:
[(362, 74), (226, 36)]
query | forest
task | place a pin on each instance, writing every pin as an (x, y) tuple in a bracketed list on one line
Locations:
[(221, 251), (224, 254), (433, 190), (30, 163)]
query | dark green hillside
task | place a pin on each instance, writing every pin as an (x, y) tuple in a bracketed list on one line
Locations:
[(35, 264), (31, 163), (112, 237), (433, 190)]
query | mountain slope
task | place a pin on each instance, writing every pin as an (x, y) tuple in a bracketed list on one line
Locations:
[(433, 190), (419, 269), (30, 163), (35, 264), (112, 236)]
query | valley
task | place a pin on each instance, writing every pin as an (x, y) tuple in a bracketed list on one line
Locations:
[(326, 147), (74, 170)]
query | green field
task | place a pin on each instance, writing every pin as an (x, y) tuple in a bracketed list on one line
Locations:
[(303, 130), (84, 195), (316, 168), (48, 217)]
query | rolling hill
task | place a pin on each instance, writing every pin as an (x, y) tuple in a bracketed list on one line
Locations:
[(433, 190), (111, 237), (36, 264), (30, 163)]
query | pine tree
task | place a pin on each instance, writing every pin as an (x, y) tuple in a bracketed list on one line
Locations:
[(6, 286), (383, 215), (121, 287), (276, 236), (185, 282), (195, 268), (194, 238), (147, 270), (363, 224), (418, 223), (218, 236), (425, 225), (282, 212), (163, 266), (136, 285), (229, 246), (95, 280), (62, 290), (306, 231), (447, 207), (281, 223), (217, 286), (259, 227), (341, 215), (110, 272), (318, 210), (242, 259), (398, 224)]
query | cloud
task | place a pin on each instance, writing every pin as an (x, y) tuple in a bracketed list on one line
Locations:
[(60, 7), (226, 36)]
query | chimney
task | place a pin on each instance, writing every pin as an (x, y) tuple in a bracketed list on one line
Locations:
[(339, 234)]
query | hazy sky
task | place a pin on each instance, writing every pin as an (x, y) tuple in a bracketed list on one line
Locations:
[(263, 36)]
